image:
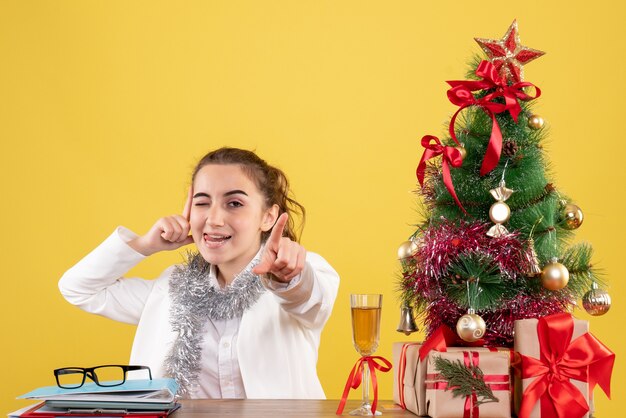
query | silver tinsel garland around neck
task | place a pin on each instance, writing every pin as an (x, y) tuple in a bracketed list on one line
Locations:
[(194, 300)]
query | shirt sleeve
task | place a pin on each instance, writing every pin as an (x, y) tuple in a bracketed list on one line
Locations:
[(310, 296), (96, 284)]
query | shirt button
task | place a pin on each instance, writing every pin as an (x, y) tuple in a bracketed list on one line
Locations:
[(226, 344)]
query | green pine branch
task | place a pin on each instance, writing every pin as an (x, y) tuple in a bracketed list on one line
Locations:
[(476, 274), (465, 380)]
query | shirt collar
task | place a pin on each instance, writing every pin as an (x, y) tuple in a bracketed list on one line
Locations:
[(213, 269)]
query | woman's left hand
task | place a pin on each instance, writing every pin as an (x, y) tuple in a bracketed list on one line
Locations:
[(281, 257)]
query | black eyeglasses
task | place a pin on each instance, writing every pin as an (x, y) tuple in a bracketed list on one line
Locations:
[(108, 375)]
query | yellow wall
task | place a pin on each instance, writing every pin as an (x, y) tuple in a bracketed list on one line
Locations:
[(106, 105)]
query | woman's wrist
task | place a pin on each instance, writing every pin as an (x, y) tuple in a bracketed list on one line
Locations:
[(138, 244)]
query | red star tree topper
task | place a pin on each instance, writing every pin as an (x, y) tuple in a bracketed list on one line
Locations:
[(508, 55)]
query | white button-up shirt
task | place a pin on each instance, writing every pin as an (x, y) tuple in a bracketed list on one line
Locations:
[(284, 326), (219, 348)]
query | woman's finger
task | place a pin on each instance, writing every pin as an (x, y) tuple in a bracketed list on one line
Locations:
[(171, 229), (277, 231), (188, 202), (295, 263), (284, 255), (184, 228)]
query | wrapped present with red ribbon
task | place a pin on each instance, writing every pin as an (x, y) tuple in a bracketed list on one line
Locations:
[(468, 384), (408, 376), (560, 363), (411, 360)]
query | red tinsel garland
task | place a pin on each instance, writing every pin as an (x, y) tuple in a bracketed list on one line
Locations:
[(441, 245)]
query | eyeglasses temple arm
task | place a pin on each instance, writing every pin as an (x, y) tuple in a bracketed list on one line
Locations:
[(131, 368)]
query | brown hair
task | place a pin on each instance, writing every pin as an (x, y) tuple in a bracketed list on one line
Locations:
[(270, 180)]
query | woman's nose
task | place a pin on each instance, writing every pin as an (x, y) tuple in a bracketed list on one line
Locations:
[(215, 217)]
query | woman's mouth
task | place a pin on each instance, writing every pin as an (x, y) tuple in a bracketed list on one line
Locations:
[(215, 240)]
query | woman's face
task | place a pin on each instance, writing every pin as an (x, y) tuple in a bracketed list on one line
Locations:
[(228, 215)]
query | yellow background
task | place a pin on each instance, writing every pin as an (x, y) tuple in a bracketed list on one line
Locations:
[(105, 106)]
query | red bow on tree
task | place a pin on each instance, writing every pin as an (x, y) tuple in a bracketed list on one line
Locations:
[(461, 95), (449, 156), (585, 359)]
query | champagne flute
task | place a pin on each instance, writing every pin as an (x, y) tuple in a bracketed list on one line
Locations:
[(365, 335)]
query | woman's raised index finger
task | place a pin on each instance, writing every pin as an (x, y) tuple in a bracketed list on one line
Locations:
[(277, 230), (187, 208)]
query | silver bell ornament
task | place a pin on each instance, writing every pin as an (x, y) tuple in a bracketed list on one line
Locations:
[(407, 321)]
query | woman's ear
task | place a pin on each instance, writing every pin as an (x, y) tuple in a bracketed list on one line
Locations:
[(270, 217)]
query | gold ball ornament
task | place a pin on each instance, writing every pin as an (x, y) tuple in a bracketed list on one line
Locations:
[(535, 122), (471, 327), (407, 249), (499, 212), (596, 301), (554, 275), (572, 216)]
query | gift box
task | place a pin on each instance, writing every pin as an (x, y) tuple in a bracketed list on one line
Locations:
[(408, 377), (558, 363), (411, 360), (488, 393)]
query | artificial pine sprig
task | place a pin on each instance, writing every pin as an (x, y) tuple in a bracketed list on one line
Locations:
[(577, 259), (465, 380), (485, 286)]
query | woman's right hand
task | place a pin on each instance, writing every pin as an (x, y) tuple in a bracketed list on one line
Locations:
[(167, 234)]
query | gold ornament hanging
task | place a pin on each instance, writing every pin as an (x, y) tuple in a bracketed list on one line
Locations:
[(572, 216), (471, 327), (499, 212), (533, 260), (554, 275), (535, 122), (406, 250), (596, 301)]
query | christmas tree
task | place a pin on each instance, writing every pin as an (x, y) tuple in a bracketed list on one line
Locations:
[(496, 244)]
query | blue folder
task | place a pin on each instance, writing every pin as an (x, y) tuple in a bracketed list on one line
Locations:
[(140, 390)]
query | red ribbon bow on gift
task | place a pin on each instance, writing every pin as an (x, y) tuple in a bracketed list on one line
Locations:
[(442, 338), (449, 156), (356, 376), (461, 95), (585, 359)]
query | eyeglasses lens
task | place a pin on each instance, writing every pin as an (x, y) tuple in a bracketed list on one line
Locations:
[(70, 378), (109, 375)]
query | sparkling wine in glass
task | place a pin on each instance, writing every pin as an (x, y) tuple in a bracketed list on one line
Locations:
[(365, 335)]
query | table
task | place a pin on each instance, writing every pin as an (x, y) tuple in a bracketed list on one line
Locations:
[(271, 408)]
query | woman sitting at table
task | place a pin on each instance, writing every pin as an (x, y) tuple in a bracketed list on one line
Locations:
[(243, 316)]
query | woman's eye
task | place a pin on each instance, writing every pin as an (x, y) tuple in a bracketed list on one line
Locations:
[(201, 204), (235, 204)]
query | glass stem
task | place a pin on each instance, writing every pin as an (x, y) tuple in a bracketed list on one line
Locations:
[(366, 385)]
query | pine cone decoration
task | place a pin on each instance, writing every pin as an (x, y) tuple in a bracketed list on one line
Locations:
[(509, 148)]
